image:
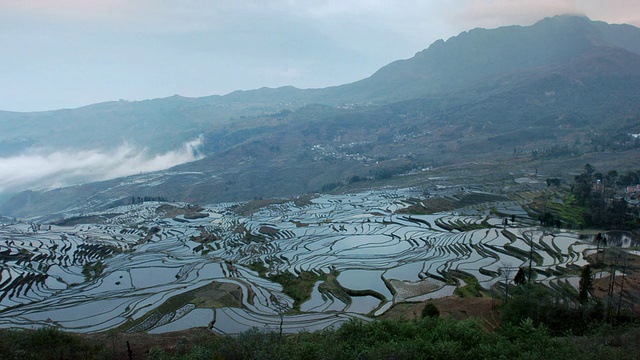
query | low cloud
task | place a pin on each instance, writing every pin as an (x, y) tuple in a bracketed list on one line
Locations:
[(37, 170)]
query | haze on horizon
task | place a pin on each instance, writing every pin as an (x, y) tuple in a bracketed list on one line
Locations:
[(71, 53)]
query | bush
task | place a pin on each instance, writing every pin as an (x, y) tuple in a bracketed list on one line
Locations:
[(430, 310), (47, 343), (542, 307)]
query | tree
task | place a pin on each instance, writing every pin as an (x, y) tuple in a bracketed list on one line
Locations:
[(589, 169), (547, 219), (520, 278), (612, 177), (598, 176), (553, 182), (505, 270), (586, 284), (430, 311), (601, 243)]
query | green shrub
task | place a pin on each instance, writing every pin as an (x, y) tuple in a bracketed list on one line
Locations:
[(430, 310), (47, 343), (560, 315)]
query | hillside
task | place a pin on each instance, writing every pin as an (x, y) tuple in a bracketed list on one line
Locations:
[(565, 89)]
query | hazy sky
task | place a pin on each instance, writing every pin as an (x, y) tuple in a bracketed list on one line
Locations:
[(70, 53)]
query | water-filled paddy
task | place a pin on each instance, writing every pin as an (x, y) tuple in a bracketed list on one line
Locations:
[(167, 279)]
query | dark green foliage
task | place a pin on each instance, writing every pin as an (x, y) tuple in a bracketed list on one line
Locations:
[(92, 271), (544, 307), (472, 287), (520, 278), (586, 284), (386, 170), (595, 192), (547, 219), (47, 343), (554, 182), (629, 178), (258, 266), (430, 310), (355, 179), (428, 338), (297, 287)]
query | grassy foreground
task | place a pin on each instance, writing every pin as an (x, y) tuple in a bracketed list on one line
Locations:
[(427, 338)]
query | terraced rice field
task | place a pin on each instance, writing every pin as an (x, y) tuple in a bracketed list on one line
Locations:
[(142, 271)]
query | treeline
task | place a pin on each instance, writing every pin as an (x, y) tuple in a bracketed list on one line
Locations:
[(630, 178), (555, 151), (604, 206), (383, 171), (133, 200), (560, 315), (142, 199), (613, 141)]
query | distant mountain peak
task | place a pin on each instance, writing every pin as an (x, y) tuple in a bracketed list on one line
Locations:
[(567, 17), (477, 54)]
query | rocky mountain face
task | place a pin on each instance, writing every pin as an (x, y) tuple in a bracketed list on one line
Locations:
[(562, 89)]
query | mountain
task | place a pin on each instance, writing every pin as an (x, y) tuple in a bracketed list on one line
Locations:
[(446, 66), (480, 54), (566, 88)]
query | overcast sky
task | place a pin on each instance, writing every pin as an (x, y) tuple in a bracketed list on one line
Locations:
[(69, 53)]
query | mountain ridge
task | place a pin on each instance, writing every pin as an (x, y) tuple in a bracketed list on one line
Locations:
[(552, 84)]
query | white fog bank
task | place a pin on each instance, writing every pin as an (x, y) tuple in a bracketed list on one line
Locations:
[(38, 170)]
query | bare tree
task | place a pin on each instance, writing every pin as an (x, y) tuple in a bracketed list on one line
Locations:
[(624, 273), (505, 271), (528, 236), (281, 306)]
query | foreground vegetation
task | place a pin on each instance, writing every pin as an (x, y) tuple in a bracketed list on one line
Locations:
[(48, 343), (431, 337), (428, 338)]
